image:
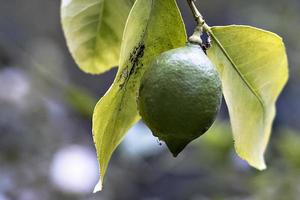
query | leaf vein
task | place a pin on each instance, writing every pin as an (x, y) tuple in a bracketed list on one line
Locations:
[(84, 9), (251, 88)]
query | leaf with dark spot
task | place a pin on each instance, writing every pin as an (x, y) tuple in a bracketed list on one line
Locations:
[(150, 30)]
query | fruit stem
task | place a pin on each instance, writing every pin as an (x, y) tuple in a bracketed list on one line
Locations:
[(196, 37)]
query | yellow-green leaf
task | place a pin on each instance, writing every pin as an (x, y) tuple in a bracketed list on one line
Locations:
[(93, 30), (254, 69), (154, 26)]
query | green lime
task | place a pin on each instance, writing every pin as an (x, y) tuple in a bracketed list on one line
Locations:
[(179, 96)]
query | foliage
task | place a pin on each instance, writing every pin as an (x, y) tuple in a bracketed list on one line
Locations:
[(93, 30), (253, 67), (251, 62), (116, 112)]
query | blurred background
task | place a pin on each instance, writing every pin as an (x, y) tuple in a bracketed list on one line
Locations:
[(46, 102)]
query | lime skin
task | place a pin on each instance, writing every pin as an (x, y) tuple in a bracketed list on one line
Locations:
[(179, 96)]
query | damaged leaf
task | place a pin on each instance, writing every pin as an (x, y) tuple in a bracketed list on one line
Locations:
[(150, 30)]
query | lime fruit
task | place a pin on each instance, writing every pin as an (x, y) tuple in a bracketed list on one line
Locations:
[(179, 96)]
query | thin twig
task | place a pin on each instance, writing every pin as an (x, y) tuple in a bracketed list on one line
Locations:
[(197, 15)]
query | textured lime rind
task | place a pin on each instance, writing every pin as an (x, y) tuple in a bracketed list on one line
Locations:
[(179, 96)]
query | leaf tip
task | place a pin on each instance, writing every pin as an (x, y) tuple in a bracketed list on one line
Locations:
[(259, 165), (256, 161), (98, 187)]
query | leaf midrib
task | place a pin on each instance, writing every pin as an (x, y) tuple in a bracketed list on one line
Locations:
[(250, 87), (101, 9), (123, 92)]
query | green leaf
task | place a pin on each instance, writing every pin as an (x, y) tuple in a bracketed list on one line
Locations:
[(254, 69), (93, 30), (154, 26)]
